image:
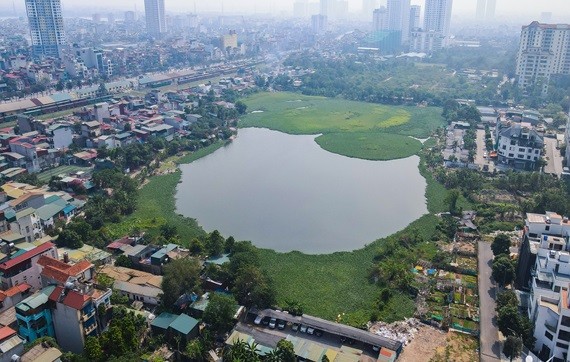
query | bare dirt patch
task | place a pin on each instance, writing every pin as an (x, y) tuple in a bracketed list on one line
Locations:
[(424, 345), (458, 347)]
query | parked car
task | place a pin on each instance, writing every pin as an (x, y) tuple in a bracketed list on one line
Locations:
[(258, 320), (265, 321), (281, 324), (318, 332), (272, 323), (303, 329), (295, 327), (310, 331)]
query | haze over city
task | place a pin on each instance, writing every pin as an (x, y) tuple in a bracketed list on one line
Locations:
[(285, 181), (525, 9)]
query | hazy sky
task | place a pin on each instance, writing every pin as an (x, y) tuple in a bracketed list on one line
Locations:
[(527, 9)]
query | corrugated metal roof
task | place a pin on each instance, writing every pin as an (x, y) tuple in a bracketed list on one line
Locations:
[(184, 324), (164, 320)]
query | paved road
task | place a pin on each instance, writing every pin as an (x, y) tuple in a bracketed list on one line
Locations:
[(490, 349), (553, 157), (480, 160)]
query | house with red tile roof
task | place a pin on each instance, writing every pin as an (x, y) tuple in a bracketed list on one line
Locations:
[(24, 269), (57, 272), (74, 318)]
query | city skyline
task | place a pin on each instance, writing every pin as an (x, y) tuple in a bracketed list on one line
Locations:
[(526, 8)]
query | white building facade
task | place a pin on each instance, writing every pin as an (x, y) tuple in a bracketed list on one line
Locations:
[(544, 51)]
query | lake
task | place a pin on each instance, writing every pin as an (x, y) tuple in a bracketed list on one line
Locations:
[(285, 193)]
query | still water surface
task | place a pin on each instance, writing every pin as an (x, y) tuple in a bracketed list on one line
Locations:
[(286, 193)]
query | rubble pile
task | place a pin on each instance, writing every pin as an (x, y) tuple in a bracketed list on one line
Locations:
[(402, 331)]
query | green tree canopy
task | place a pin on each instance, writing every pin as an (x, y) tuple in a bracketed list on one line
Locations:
[(512, 347), (180, 276), (501, 245), (219, 313), (503, 270)]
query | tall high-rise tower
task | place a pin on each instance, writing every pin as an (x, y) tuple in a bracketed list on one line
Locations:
[(415, 11), (155, 18), (380, 19), (491, 7), (399, 17), (486, 9), (438, 16), (46, 27), (435, 31)]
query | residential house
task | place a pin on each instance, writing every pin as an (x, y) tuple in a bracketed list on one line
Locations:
[(23, 268), (74, 317), (91, 129), (56, 272), (135, 284), (10, 297), (27, 223), (42, 353), (173, 326), (62, 135), (546, 241), (520, 146), (10, 344), (34, 316)]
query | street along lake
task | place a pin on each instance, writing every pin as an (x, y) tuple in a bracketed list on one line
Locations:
[(284, 192)]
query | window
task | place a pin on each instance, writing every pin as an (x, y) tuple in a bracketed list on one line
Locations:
[(547, 227), (549, 335), (563, 335), (511, 155), (521, 149), (565, 321), (536, 152)]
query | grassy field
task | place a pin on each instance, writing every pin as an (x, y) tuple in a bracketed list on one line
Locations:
[(45, 176), (297, 114), (370, 146), (156, 204)]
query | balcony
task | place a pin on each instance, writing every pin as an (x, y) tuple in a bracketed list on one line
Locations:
[(550, 328), (88, 314), (88, 330)]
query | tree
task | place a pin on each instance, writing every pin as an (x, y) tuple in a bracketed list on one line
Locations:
[(503, 270), (124, 261), (506, 298), (93, 350), (195, 350), (501, 245), (451, 200), (512, 347), (219, 313), (215, 243), (254, 288), (241, 107), (180, 276), (286, 351), (69, 238)]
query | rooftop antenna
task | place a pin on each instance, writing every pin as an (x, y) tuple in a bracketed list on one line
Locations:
[(14, 7)]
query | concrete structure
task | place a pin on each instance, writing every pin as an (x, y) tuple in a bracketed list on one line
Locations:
[(10, 344), (434, 34), (230, 40), (519, 146), (318, 24), (34, 316), (23, 269), (368, 6), (415, 11), (155, 17), (380, 19), (547, 235), (74, 318), (46, 27), (399, 18), (544, 51), (62, 136)]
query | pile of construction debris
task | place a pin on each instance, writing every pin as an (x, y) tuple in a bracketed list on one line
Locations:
[(402, 331)]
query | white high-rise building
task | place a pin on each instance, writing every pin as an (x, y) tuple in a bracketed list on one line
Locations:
[(435, 30), (544, 51), (491, 7), (46, 27), (380, 19), (399, 17), (415, 11), (481, 9), (368, 6), (155, 18), (328, 8)]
